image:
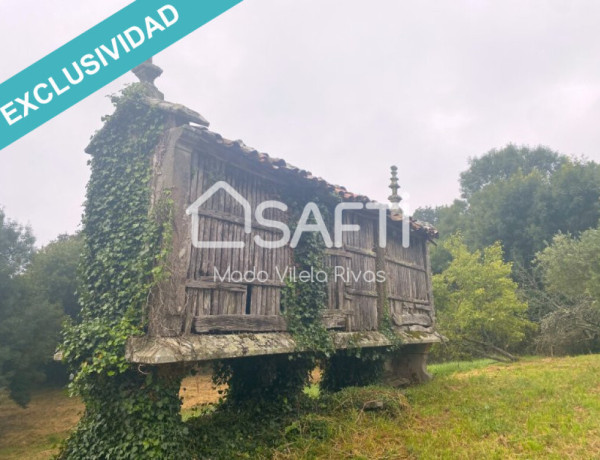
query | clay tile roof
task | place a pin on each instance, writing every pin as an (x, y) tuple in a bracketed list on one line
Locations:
[(276, 164)]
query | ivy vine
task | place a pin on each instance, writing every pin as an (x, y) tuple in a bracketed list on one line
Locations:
[(304, 302), (130, 412)]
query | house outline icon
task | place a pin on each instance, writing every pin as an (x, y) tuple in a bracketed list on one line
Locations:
[(192, 210)]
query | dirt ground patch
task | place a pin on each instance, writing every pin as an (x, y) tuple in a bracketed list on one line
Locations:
[(199, 390), (36, 431)]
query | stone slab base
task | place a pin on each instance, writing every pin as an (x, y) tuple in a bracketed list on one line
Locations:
[(407, 366), (201, 347)]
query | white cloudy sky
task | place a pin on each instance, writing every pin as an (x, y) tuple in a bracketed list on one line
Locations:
[(343, 88)]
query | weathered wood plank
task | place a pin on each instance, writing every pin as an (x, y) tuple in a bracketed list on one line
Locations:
[(362, 293), (406, 264), (211, 279), (337, 253), (335, 319), (332, 319), (409, 319), (233, 219), (381, 287), (429, 277), (423, 302), (239, 323), (198, 284), (360, 251)]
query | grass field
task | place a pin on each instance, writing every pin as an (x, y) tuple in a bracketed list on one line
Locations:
[(536, 408)]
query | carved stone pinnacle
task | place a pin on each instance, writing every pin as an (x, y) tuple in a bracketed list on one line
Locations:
[(147, 72)]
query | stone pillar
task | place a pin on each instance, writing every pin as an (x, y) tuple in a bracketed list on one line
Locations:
[(407, 366)]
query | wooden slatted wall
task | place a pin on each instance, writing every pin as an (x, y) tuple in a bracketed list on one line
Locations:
[(232, 306), (409, 283)]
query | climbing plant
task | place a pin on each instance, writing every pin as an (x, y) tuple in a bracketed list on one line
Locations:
[(130, 412), (279, 380), (271, 381), (303, 302)]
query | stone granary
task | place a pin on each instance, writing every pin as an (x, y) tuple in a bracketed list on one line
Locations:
[(225, 302)]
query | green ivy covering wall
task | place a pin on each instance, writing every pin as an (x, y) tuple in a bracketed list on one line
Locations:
[(130, 412), (304, 302)]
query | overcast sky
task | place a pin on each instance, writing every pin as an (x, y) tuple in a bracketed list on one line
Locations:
[(343, 88)]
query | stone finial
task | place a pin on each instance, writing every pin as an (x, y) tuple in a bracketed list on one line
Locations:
[(147, 72), (394, 197)]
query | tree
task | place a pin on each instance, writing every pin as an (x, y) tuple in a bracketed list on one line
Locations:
[(574, 198), (29, 324), (500, 165), (447, 220), (16, 248), (52, 277), (571, 266), (477, 304), (521, 197), (525, 211), (515, 212), (571, 275), (53, 271)]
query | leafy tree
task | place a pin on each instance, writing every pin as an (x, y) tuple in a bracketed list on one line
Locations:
[(16, 248), (514, 212), (521, 197), (53, 271), (571, 266), (477, 304), (448, 220), (500, 165), (524, 212), (52, 275), (571, 277), (29, 324), (573, 200)]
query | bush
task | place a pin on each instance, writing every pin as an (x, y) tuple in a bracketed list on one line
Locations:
[(570, 330), (478, 308)]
